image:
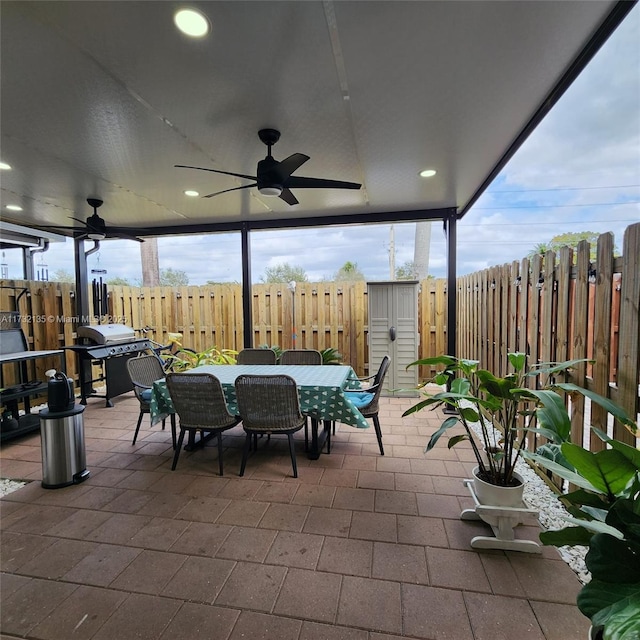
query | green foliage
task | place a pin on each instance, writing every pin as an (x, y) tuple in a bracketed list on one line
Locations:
[(284, 273), (121, 282), (185, 359), (606, 517), (331, 356), (348, 272), (570, 239), (408, 271), (173, 278), (62, 275), (503, 404)]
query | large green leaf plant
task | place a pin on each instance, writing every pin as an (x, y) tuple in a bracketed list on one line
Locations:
[(503, 409), (605, 516)]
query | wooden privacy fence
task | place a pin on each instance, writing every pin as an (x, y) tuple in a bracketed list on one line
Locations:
[(563, 307), (321, 315), (554, 308)]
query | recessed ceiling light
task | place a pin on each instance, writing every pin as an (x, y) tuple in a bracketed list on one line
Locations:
[(192, 23), (191, 193), (428, 173), (14, 207), (4, 165)]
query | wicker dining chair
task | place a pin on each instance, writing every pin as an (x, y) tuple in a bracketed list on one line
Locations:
[(256, 356), (269, 404), (301, 356), (199, 401), (143, 372), (367, 399)]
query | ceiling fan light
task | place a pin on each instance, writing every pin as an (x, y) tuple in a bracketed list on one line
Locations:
[(428, 173), (96, 236), (191, 23), (271, 191), (5, 166)]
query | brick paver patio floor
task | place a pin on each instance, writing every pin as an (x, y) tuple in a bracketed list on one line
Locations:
[(358, 547)]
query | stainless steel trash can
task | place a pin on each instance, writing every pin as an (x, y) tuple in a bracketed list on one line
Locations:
[(62, 444)]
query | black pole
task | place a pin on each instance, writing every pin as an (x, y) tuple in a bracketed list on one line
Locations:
[(247, 295), (450, 232), (82, 282)]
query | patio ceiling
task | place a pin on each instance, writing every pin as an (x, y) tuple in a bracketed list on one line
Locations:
[(103, 98)]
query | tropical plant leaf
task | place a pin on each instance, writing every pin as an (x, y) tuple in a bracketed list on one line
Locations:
[(605, 403), (623, 620), (568, 536), (629, 452), (498, 387), (453, 441), (562, 471), (553, 415), (585, 498), (444, 427), (609, 603), (609, 471), (446, 361), (610, 558), (518, 360)]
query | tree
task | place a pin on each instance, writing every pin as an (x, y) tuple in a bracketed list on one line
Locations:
[(540, 249), (408, 271), (117, 281), (570, 239), (62, 275), (348, 272), (173, 278), (284, 273)]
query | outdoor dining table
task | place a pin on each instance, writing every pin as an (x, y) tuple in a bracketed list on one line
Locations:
[(321, 391)]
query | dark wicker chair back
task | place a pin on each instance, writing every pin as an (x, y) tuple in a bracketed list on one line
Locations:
[(199, 401), (269, 404), (370, 409), (301, 356), (256, 356), (143, 372)]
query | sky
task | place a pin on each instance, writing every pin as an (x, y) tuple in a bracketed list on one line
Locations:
[(578, 171)]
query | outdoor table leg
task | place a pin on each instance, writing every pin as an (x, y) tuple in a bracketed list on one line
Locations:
[(318, 439)]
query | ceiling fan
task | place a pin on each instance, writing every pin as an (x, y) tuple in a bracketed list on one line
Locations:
[(95, 228), (273, 177)]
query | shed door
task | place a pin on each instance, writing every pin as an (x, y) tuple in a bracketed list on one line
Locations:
[(393, 330)]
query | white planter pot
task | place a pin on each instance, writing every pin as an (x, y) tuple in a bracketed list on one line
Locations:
[(496, 496)]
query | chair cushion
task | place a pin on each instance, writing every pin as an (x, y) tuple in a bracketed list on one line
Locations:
[(145, 395), (360, 398)]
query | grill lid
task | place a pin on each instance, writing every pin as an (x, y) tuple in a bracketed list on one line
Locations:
[(106, 333)]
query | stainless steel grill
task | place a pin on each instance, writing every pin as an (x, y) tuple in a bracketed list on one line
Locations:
[(107, 346)]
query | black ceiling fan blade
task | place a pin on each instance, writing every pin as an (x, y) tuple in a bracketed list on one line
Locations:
[(82, 222), (122, 236), (290, 164), (59, 226), (295, 182), (226, 173), (217, 193), (288, 197)]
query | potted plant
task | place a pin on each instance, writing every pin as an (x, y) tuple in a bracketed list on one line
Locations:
[(331, 356), (496, 413), (605, 514), (184, 359)]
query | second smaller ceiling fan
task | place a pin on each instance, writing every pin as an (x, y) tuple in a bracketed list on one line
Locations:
[(95, 228)]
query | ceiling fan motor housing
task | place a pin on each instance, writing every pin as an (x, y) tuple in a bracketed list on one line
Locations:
[(268, 179)]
